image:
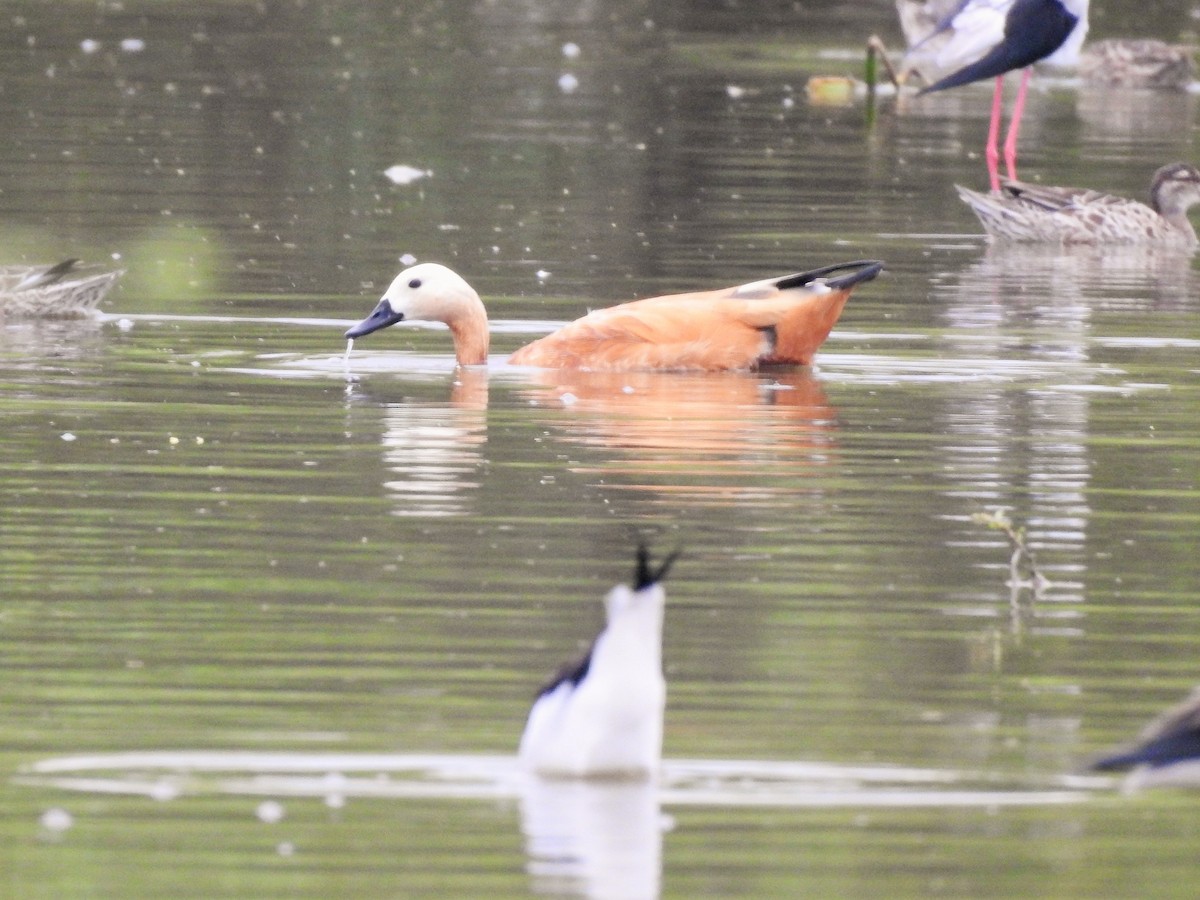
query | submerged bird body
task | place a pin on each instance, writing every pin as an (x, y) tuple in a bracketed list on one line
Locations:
[(603, 717), (1042, 214), (1172, 739), (52, 292), (981, 39), (776, 321)]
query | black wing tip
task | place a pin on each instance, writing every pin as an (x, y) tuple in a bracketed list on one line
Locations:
[(646, 575), (858, 271), (572, 673), (1114, 764)]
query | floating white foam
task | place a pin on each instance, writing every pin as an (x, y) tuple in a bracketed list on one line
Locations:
[(683, 782)]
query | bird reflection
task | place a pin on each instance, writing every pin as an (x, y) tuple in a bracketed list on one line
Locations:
[(596, 839), (672, 433), (435, 450), (1028, 449), (710, 438)]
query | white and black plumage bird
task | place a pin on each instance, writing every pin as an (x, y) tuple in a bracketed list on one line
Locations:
[(1171, 741), (603, 716), (981, 39)]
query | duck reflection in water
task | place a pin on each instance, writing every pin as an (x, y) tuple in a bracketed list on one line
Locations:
[(706, 439), (674, 433), (1167, 752), (593, 746)]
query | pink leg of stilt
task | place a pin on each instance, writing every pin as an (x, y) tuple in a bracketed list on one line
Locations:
[(992, 154), (1014, 126)]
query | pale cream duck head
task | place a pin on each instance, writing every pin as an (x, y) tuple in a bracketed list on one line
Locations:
[(430, 292)]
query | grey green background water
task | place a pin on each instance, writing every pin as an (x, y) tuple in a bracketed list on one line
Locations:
[(242, 549)]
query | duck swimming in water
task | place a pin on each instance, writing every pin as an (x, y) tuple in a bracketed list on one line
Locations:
[(52, 292), (778, 321), (603, 716), (1035, 213)]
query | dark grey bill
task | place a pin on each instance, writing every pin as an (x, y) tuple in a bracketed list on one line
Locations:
[(381, 317)]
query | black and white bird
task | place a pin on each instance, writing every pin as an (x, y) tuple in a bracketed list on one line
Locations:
[(1171, 742), (603, 716), (980, 39)]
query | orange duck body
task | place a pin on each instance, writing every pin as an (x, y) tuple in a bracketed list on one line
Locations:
[(779, 321)]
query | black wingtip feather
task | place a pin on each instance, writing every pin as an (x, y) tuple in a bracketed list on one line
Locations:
[(572, 673), (645, 574), (858, 271)]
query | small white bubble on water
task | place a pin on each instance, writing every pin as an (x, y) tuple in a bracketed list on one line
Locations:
[(568, 83), (286, 848), (407, 259), (568, 399), (164, 791), (89, 46), (57, 820), (133, 45), (68, 436), (401, 174), (125, 324), (270, 811), (571, 50)]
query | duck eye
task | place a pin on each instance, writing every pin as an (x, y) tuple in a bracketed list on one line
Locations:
[(415, 283)]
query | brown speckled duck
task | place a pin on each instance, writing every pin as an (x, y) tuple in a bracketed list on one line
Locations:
[(52, 292), (1033, 213)]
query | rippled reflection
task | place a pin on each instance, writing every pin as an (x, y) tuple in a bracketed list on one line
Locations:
[(706, 439), (1027, 448), (435, 450), (593, 839), (1124, 118)]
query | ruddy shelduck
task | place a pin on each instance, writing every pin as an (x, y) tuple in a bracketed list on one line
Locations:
[(602, 717), (989, 38), (778, 321), (1035, 213)]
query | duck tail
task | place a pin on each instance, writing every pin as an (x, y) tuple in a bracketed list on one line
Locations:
[(863, 270)]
